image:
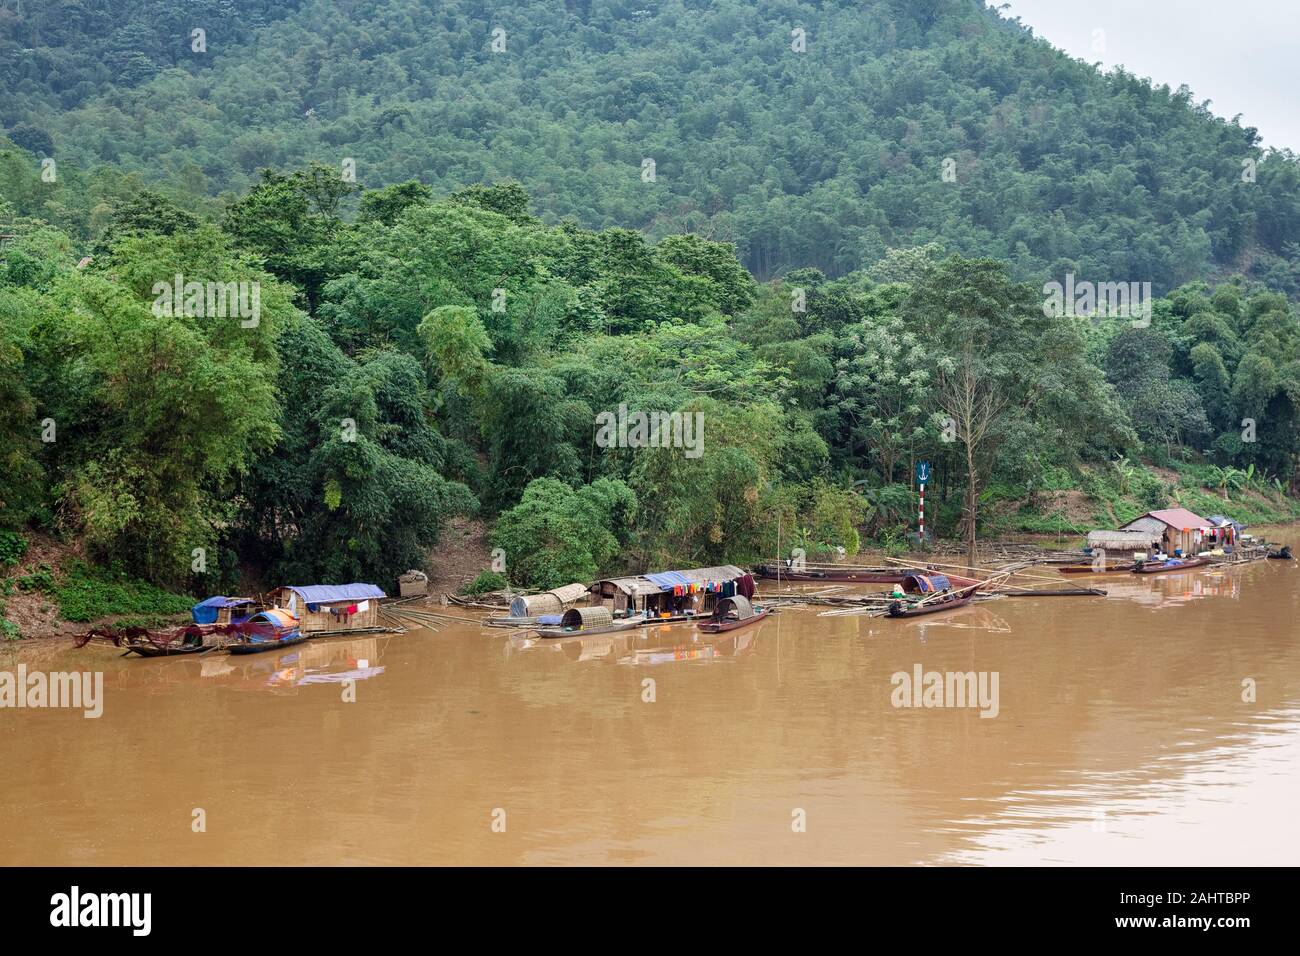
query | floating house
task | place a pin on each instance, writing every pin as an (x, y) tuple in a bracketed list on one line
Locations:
[(331, 608), (669, 594), (1177, 530)]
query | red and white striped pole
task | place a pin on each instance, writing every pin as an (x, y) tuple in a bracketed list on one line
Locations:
[(922, 513)]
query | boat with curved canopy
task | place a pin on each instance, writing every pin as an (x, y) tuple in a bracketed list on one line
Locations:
[(581, 621), (731, 613)]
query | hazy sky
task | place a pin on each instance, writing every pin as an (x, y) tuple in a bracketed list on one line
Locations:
[(1242, 55)]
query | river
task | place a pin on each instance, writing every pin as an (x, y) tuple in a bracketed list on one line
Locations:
[(1124, 733)]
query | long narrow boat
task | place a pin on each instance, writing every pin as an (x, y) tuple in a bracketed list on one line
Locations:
[(1089, 569), (585, 621), (900, 609), (148, 649), (835, 575), (1181, 564), (270, 644), (612, 628), (732, 613)]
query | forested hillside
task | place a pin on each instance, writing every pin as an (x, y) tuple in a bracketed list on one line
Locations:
[(364, 361), (899, 123)]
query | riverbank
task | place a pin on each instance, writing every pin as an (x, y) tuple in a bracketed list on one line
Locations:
[(48, 588)]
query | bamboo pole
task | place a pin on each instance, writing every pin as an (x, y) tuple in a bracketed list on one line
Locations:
[(1017, 569)]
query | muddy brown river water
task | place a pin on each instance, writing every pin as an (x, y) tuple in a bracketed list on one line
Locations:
[(1125, 733)]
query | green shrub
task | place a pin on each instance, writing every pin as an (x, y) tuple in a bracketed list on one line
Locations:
[(86, 594), (42, 579), (487, 581), (12, 548)]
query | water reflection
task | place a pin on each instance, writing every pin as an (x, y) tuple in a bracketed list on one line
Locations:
[(649, 645), (323, 661)]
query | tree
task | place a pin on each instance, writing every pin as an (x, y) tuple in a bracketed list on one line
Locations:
[(997, 357), (557, 534)]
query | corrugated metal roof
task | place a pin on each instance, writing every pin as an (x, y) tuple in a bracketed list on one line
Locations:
[(656, 582), (1179, 518), (1146, 525), (634, 586)]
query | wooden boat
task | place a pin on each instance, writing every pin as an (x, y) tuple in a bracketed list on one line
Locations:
[(731, 613), (1174, 564), (271, 644), (149, 649), (950, 603), (266, 631), (652, 621), (932, 592), (513, 622), (1089, 569), (586, 621), (835, 575)]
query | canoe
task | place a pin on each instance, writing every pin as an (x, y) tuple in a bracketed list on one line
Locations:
[(837, 575), (614, 628), (675, 619), (898, 609), (169, 650), (1164, 566), (257, 647), (717, 627), (1089, 569)]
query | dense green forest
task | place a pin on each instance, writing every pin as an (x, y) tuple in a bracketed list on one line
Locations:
[(894, 123), (439, 356), (363, 361)]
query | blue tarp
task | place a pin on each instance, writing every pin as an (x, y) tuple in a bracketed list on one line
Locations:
[(327, 593), (205, 612), (931, 583), (667, 580)]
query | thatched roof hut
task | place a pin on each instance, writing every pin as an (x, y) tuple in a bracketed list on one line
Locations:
[(1122, 540)]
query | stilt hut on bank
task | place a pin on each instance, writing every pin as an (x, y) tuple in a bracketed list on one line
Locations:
[(331, 608)]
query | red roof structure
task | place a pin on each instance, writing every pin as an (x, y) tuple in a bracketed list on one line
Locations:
[(1179, 518)]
